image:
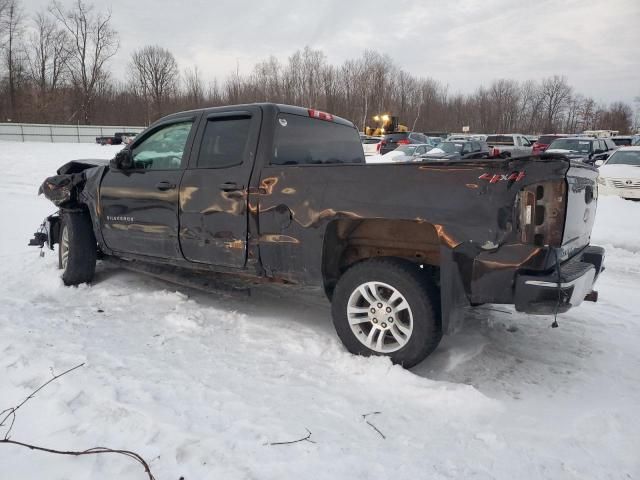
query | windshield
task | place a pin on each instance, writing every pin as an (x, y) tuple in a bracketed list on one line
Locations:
[(622, 142), (572, 144), (406, 150), (500, 140), (547, 140), (448, 147), (629, 157), (394, 137)]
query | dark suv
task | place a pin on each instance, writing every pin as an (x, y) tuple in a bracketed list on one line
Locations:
[(391, 141), (585, 149)]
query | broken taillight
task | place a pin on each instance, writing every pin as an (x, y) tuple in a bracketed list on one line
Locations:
[(542, 209)]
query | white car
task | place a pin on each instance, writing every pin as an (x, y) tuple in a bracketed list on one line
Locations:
[(405, 153), (620, 173), (370, 145)]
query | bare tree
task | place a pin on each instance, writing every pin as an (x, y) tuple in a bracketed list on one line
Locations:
[(154, 74), (93, 42), (11, 28), (555, 93), (47, 54), (193, 87)]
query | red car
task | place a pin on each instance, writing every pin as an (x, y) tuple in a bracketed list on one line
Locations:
[(544, 141)]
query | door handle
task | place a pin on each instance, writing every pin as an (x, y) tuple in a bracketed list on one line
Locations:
[(163, 186), (230, 187)]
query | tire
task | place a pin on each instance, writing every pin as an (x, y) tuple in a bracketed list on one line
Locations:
[(405, 334), (77, 250)]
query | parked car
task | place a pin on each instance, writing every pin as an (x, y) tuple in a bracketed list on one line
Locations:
[(391, 141), (509, 145), (116, 139), (127, 138), (463, 137), (544, 141), (623, 141), (404, 153), (584, 149), (458, 151), (370, 145), (281, 194), (620, 173)]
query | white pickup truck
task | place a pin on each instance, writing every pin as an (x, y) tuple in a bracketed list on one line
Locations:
[(509, 145)]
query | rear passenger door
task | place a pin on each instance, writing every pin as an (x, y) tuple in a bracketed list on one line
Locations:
[(213, 193)]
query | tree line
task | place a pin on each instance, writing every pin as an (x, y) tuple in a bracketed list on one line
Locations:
[(54, 68)]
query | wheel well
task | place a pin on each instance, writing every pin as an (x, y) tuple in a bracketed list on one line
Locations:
[(348, 241)]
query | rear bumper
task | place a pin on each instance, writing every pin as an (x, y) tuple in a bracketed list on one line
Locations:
[(544, 294)]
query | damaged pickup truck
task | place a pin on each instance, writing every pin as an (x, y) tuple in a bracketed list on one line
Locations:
[(282, 194)]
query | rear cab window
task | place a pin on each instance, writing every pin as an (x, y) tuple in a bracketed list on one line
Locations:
[(301, 140), (394, 137), (500, 140)]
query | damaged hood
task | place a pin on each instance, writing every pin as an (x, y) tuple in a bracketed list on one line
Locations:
[(77, 166), (76, 183)]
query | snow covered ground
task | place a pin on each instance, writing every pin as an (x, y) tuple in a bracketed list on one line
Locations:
[(201, 384)]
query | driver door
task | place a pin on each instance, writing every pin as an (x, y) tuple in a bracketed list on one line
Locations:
[(140, 204)]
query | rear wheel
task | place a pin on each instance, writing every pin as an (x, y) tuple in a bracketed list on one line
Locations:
[(77, 249), (389, 307)]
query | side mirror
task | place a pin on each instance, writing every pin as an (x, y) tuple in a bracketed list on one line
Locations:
[(122, 161), (599, 163)]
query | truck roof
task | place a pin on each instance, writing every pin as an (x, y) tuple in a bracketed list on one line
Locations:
[(280, 108)]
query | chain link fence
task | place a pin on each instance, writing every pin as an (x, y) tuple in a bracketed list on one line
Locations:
[(34, 132)]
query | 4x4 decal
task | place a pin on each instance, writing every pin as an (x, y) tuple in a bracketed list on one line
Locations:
[(495, 178)]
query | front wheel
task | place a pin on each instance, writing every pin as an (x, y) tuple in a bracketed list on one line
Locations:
[(77, 250), (390, 307)]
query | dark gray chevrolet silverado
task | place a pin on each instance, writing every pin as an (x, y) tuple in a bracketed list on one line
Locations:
[(282, 194)]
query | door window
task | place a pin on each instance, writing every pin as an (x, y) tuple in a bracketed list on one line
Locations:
[(163, 149), (224, 143)]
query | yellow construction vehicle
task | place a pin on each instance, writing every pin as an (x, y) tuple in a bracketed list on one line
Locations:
[(385, 123)]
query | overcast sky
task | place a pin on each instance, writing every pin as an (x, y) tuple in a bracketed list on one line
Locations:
[(460, 43)]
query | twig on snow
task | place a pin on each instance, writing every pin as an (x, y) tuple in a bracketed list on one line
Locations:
[(10, 413), (364, 417), (91, 451), (304, 439)]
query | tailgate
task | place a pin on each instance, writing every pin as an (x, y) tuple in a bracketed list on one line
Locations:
[(582, 195)]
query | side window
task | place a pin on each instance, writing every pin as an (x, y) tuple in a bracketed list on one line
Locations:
[(224, 143), (420, 150), (520, 141), (526, 142), (476, 146), (163, 149)]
